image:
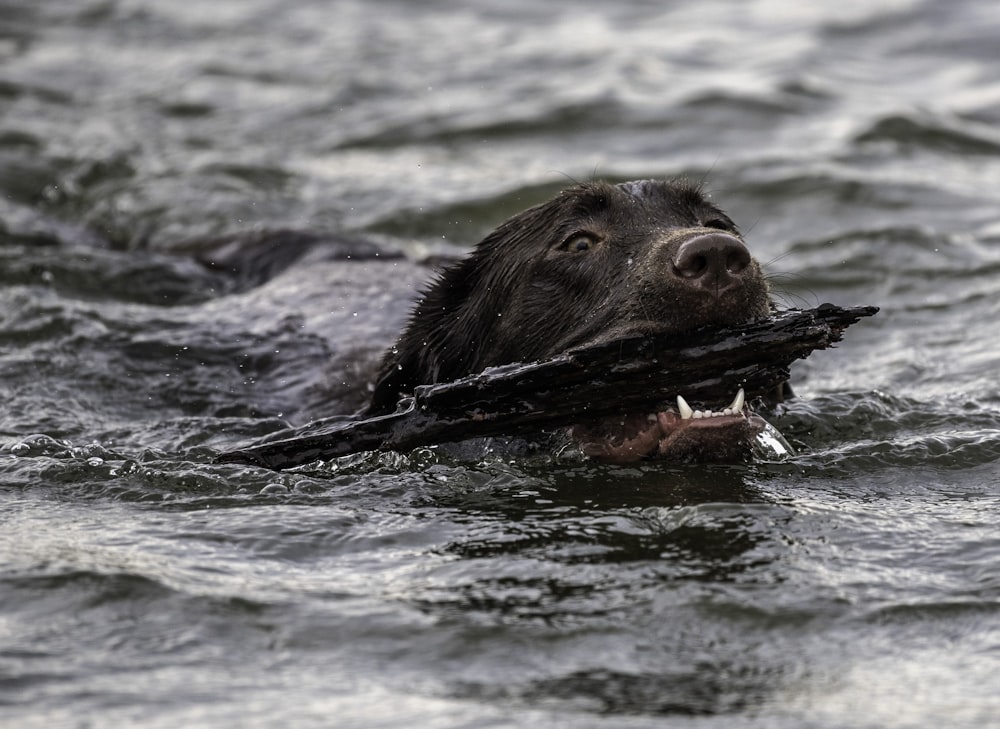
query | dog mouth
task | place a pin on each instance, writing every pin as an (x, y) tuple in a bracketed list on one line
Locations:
[(677, 434)]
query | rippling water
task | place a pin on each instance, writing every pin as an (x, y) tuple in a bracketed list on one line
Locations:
[(856, 584)]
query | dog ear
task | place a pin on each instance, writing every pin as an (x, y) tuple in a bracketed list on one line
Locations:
[(432, 347), (451, 330)]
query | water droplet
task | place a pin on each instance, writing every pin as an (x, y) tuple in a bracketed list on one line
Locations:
[(770, 443), (125, 468)]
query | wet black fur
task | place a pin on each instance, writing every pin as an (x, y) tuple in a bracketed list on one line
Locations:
[(534, 287)]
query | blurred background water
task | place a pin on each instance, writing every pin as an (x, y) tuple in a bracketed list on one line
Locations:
[(856, 584)]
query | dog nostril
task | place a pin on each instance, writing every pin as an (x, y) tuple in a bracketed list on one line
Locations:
[(737, 259), (712, 260), (693, 266)]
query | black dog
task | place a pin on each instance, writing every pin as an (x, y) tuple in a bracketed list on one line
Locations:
[(597, 262)]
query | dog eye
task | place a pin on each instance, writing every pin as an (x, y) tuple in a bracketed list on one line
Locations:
[(579, 242)]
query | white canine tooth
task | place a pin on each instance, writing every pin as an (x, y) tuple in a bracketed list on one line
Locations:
[(735, 408), (737, 405)]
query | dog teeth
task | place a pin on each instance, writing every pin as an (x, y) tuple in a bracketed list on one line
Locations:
[(735, 408)]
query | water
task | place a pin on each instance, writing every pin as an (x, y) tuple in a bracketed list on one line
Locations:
[(855, 584)]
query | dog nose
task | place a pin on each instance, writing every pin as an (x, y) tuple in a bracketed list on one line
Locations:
[(713, 262)]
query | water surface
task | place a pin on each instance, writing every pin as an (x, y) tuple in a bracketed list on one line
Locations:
[(855, 584)]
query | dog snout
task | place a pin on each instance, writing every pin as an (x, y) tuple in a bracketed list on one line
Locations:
[(712, 262)]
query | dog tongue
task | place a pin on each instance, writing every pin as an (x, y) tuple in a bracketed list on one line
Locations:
[(624, 439), (715, 437)]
